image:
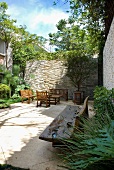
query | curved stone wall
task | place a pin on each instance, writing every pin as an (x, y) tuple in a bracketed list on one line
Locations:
[(43, 75)]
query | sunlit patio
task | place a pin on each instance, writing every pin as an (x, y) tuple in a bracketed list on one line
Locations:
[(20, 127)]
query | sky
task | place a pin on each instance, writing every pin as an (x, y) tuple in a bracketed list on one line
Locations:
[(40, 16)]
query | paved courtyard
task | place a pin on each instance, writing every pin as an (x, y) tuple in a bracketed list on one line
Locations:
[(20, 127)]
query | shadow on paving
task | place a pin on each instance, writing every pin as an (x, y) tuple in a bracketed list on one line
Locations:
[(36, 155), (19, 131), (20, 143)]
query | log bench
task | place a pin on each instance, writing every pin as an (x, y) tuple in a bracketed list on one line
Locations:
[(64, 124)]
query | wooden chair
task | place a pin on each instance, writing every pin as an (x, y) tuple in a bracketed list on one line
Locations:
[(27, 94), (42, 97)]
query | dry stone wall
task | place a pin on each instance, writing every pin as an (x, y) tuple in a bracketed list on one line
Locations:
[(108, 60), (43, 75)]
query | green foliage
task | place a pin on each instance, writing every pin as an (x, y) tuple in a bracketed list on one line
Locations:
[(84, 29), (4, 104), (72, 37), (93, 148), (4, 91), (26, 47), (22, 87), (11, 78), (80, 67), (14, 99), (103, 101), (2, 67), (7, 28)]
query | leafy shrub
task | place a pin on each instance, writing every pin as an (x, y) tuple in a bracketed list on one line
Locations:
[(21, 87), (14, 99), (4, 104), (4, 91), (103, 101), (15, 96), (11, 78)]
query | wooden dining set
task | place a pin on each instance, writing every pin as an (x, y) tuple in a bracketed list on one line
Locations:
[(52, 96)]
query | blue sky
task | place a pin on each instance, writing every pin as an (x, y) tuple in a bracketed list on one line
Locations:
[(40, 16)]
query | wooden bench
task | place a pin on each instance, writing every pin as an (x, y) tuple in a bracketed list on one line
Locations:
[(27, 94), (65, 123), (62, 92)]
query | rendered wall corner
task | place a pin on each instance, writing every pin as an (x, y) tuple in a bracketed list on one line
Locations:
[(108, 60)]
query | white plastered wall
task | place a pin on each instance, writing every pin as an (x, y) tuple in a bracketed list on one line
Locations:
[(108, 60)]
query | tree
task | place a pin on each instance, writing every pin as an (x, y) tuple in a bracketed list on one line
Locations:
[(7, 28), (91, 15), (68, 37), (79, 68), (25, 47)]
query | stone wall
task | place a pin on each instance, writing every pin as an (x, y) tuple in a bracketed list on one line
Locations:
[(43, 75), (108, 60)]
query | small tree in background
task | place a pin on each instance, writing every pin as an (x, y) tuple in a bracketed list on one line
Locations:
[(7, 28), (79, 68)]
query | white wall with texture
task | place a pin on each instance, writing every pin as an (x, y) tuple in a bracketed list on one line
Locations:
[(108, 60)]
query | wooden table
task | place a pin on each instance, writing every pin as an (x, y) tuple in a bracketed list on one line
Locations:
[(55, 98), (62, 92), (62, 126)]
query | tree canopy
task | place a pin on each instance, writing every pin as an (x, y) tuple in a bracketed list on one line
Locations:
[(25, 46), (86, 24), (7, 27)]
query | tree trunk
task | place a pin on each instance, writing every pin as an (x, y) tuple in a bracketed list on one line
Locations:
[(79, 86), (6, 44)]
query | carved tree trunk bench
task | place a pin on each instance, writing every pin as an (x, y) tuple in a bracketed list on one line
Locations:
[(64, 124)]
